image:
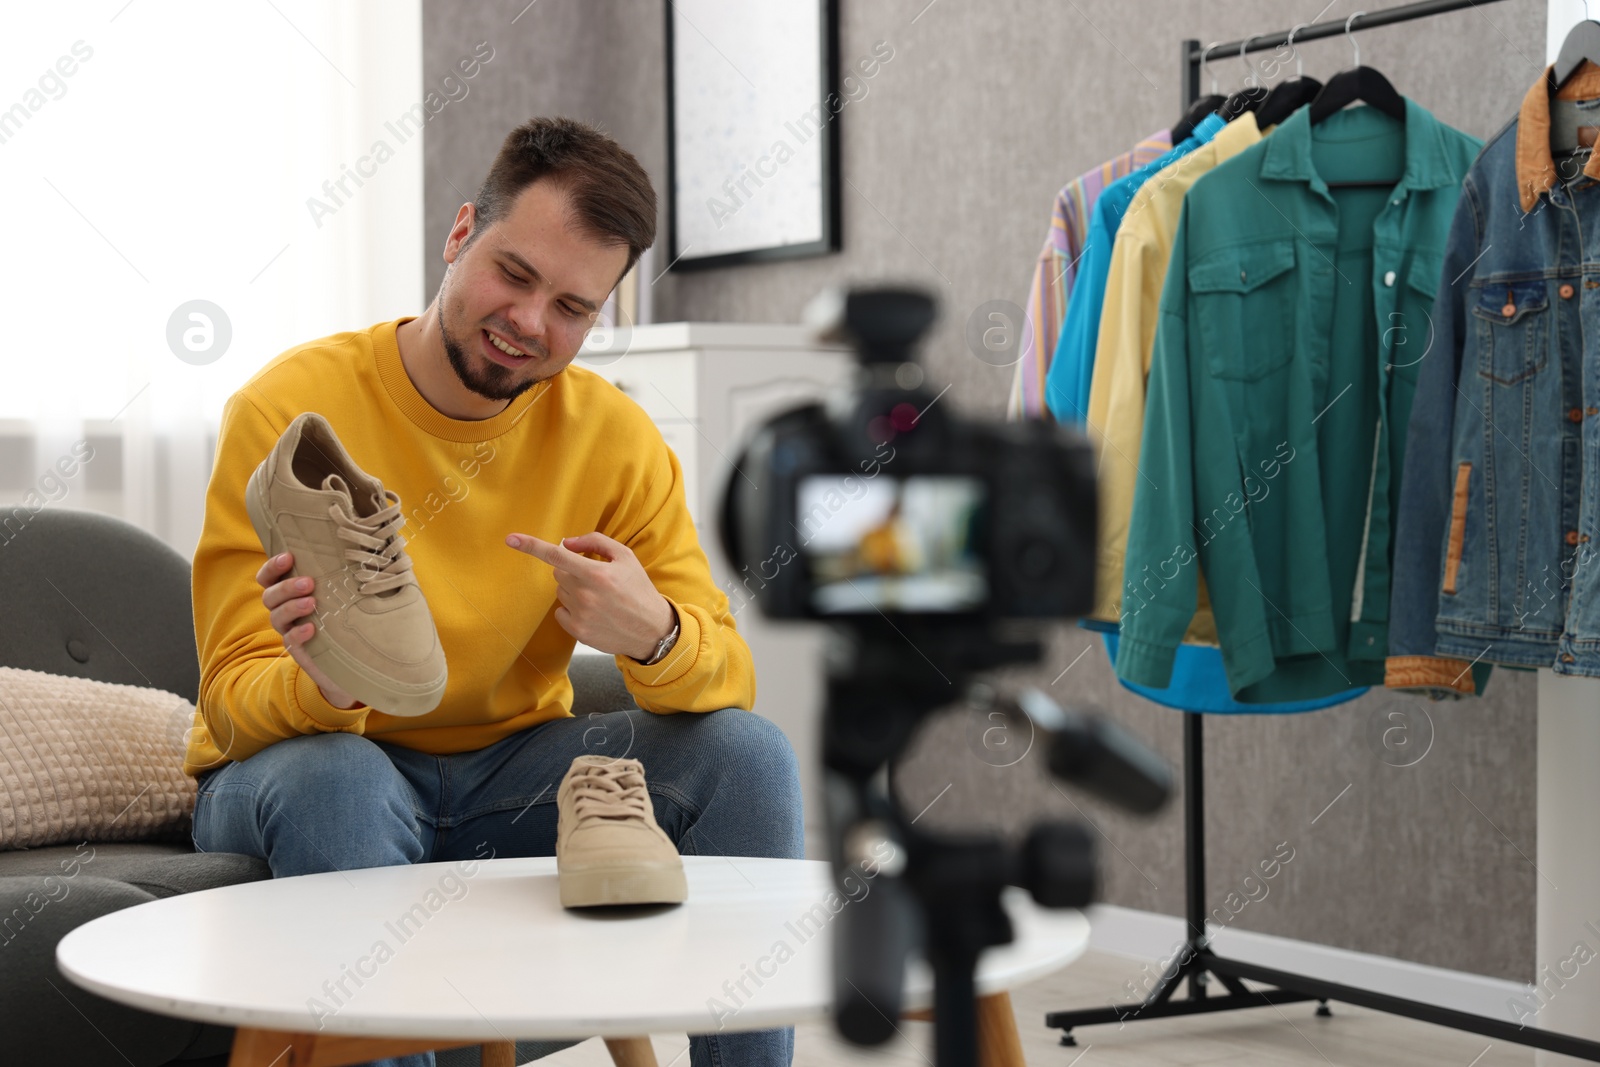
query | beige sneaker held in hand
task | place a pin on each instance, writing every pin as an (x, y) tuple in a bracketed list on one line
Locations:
[(375, 637), (609, 848)]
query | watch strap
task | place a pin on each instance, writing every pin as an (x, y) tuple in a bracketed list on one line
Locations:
[(666, 643)]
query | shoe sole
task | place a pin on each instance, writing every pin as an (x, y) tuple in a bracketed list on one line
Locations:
[(349, 674), (623, 885)]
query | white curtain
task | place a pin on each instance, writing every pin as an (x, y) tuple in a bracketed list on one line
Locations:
[(156, 154)]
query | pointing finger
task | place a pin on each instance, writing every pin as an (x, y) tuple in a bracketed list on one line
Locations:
[(555, 555)]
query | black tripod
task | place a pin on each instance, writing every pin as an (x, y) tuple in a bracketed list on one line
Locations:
[(879, 689)]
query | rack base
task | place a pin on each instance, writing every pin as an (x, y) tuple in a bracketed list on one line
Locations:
[(1288, 988)]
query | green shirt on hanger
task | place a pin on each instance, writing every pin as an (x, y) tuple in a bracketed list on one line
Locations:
[(1292, 320)]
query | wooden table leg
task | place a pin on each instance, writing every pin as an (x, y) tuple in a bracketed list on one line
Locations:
[(631, 1051), (281, 1048), (498, 1054), (999, 1043)]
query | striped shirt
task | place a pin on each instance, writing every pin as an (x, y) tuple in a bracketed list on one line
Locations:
[(1056, 267)]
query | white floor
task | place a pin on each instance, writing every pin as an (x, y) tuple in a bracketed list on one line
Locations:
[(1264, 1037)]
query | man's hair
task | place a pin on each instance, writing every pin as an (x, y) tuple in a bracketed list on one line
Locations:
[(611, 195)]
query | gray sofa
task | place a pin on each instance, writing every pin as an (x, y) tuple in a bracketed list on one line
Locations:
[(93, 596)]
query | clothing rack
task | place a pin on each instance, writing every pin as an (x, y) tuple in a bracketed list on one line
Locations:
[(1196, 962)]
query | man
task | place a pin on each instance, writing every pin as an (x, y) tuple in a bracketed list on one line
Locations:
[(543, 506)]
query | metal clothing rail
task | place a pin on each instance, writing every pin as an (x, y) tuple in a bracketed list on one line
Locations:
[(1196, 962), (1194, 53)]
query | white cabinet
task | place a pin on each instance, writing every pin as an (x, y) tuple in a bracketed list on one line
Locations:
[(706, 384)]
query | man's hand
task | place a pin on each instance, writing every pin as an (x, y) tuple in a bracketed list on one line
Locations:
[(289, 606), (609, 604)]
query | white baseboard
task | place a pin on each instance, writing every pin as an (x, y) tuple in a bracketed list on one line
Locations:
[(1150, 936)]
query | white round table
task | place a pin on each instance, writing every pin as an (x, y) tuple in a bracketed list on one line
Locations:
[(482, 951)]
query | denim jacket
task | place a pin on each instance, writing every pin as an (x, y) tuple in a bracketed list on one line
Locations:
[(1495, 559), (1268, 457)]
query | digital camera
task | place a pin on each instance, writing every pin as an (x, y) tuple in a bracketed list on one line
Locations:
[(883, 502)]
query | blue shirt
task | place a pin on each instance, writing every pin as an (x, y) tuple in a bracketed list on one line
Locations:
[(1199, 683), (1066, 385)]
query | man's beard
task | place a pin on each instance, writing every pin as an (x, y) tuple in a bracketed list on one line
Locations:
[(489, 380)]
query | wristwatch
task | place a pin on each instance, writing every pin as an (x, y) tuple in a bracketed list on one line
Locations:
[(666, 643)]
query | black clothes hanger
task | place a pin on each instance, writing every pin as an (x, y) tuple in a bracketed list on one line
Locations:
[(1201, 107), (1287, 97), (1364, 84), (1358, 84), (1248, 98), (1197, 112)]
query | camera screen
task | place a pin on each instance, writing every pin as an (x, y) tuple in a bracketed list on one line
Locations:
[(892, 544)]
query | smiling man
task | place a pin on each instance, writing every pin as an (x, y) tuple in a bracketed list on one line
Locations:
[(567, 521)]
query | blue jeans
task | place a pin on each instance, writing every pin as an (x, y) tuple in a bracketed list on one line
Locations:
[(723, 783)]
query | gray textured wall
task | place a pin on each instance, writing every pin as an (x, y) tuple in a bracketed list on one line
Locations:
[(951, 163)]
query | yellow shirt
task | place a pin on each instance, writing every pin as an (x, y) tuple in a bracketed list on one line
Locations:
[(1127, 337), (567, 457)]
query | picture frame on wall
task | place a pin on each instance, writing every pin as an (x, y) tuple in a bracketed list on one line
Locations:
[(752, 131)]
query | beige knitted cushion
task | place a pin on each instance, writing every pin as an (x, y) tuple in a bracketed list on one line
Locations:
[(86, 760)]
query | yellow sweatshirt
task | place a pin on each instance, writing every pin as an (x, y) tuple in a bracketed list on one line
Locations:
[(568, 456)]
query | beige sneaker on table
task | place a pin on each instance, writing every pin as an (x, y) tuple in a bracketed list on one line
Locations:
[(374, 636), (609, 849)]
